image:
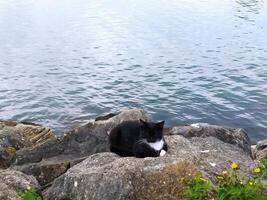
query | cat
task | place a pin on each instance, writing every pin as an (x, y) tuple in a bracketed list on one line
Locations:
[(138, 138)]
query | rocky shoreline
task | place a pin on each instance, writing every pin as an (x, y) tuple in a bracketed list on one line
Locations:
[(80, 166)]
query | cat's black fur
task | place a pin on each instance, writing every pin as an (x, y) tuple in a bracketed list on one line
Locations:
[(131, 138)]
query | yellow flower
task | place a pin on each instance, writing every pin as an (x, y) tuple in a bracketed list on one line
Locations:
[(234, 165), (212, 198), (250, 183), (220, 177), (257, 170), (225, 172)]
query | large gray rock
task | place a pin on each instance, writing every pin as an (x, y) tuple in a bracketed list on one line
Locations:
[(106, 176), (53, 158), (234, 136), (15, 136), (13, 182), (260, 150)]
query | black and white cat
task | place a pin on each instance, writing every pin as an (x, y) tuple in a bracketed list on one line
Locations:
[(138, 138)]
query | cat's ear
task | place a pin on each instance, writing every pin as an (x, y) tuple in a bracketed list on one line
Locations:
[(160, 124), (142, 122)]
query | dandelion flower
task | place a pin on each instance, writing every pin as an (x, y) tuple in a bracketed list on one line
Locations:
[(250, 183), (225, 172), (257, 170), (234, 165), (220, 177)]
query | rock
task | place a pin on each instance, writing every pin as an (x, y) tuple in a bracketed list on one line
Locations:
[(82, 141), (15, 136), (84, 169), (33, 134), (105, 176), (234, 136), (13, 182), (45, 171), (260, 150), (49, 160)]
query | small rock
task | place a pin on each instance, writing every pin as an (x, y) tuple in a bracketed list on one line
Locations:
[(13, 182), (260, 150), (44, 171)]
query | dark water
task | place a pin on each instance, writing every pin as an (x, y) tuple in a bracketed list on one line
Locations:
[(66, 61)]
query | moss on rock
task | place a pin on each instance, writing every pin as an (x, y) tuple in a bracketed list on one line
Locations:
[(165, 183)]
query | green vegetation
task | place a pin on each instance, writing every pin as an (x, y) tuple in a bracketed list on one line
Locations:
[(30, 194), (264, 168), (230, 185), (198, 188)]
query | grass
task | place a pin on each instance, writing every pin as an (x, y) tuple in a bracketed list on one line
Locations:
[(230, 185), (30, 194), (198, 188)]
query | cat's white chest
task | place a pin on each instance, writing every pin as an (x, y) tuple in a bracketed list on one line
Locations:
[(156, 145)]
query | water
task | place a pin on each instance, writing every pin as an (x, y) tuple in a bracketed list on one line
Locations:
[(64, 62)]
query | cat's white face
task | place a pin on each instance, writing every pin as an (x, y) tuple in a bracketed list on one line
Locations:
[(158, 145)]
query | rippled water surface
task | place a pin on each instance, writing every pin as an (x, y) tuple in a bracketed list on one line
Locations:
[(66, 61)]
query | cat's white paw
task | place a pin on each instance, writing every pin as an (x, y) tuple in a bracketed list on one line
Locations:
[(162, 152)]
